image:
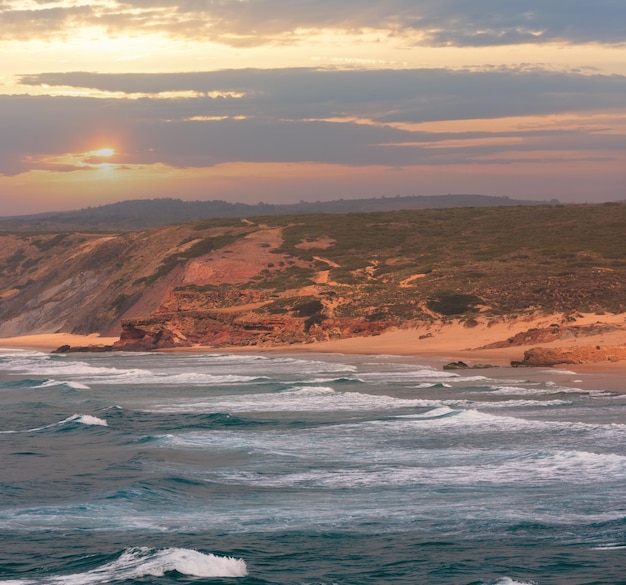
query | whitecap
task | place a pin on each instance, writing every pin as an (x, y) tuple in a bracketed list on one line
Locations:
[(509, 581), (525, 403), (51, 383), (610, 546), (77, 385), (297, 398), (433, 413), (535, 390), (411, 375), (139, 562), (86, 419)]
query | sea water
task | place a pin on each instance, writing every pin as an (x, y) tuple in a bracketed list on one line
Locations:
[(306, 470)]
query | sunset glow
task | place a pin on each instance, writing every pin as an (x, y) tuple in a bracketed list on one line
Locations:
[(248, 102), (104, 152)]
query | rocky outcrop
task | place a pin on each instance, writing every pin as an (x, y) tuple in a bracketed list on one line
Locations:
[(552, 333), (464, 366), (554, 356), (228, 329), (231, 329), (147, 338), (133, 338)]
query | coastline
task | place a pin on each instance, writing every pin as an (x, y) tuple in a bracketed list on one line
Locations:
[(47, 342), (451, 341)]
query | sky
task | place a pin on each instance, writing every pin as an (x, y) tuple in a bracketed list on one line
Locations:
[(282, 101)]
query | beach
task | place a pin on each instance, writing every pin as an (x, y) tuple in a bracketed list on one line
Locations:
[(452, 341)]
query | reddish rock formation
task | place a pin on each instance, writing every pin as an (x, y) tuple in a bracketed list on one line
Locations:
[(553, 356), (135, 338), (229, 329), (552, 333)]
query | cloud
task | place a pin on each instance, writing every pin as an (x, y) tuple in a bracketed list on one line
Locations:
[(355, 118), (426, 22), (415, 95)]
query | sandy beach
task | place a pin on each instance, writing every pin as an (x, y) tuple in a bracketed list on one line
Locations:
[(50, 341), (446, 341)]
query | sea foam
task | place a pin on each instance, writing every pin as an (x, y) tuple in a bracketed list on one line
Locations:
[(84, 419), (137, 563)]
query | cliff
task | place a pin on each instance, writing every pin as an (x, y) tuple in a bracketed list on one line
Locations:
[(298, 279)]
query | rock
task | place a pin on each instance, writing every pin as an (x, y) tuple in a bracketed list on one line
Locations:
[(456, 366), (83, 349), (151, 337), (463, 366), (62, 349), (554, 356)]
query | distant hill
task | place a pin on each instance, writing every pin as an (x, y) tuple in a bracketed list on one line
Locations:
[(148, 213)]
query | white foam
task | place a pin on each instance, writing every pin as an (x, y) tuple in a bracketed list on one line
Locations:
[(401, 468), (77, 385), (472, 379), (525, 403), (42, 364), (298, 398), (509, 581), (550, 388), (86, 419), (135, 563), (139, 562), (411, 375), (51, 383), (433, 413), (610, 546)]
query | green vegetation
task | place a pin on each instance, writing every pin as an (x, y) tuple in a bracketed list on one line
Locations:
[(383, 267), (453, 303), (555, 257), (291, 277)]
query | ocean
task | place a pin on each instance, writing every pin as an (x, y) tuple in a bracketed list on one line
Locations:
[(307, 469)]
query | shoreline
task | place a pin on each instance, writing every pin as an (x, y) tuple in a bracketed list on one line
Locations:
[(449, 342)]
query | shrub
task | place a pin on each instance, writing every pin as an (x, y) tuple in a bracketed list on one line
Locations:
[(453, 303)]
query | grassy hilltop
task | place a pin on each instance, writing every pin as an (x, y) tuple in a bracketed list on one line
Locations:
[(317, 275)]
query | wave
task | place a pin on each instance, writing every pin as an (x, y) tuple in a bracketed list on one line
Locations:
[(509, 581), (463, 468), (34, 383), (296, 399), (610, 546), (536, 390), (525, 403), (83, 419), (411, 375), (434, 413), (342, 380), (59, 366), (141, 562)]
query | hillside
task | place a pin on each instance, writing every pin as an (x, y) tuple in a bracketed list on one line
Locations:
[(294, 279), (147, 213)]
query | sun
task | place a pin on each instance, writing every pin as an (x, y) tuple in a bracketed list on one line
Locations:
[(104, 152)]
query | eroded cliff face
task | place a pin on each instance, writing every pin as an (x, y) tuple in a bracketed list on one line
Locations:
[(84, 283), (177, 286)]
